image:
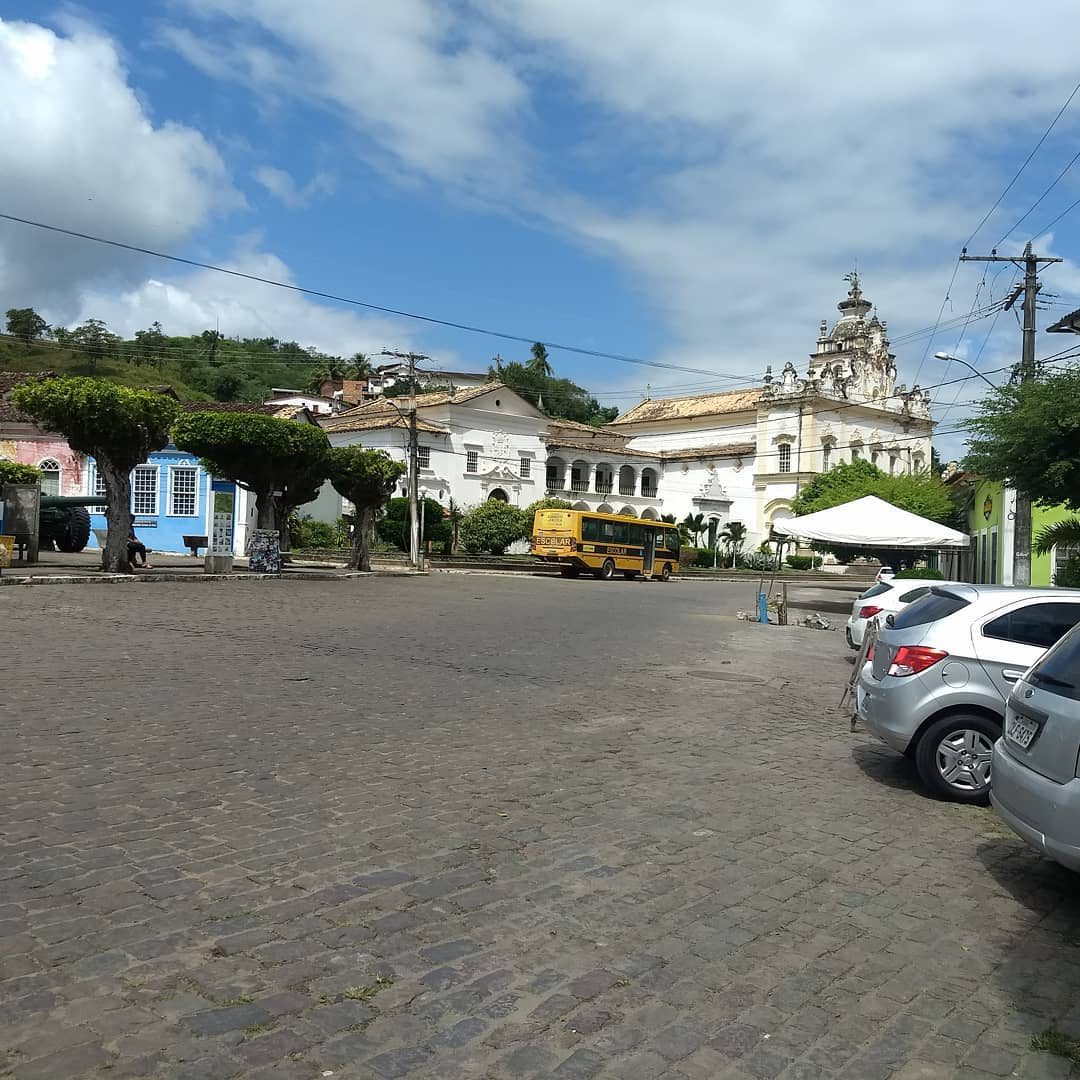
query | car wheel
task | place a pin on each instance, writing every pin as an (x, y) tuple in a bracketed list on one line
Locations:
[(606, 571), (665, 574), (851, 643), (953, 757)]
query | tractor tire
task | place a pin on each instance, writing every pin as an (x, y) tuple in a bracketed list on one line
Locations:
[(75, 534)]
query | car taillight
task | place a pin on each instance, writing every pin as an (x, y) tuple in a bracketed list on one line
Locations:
[(868, 611), (911, 659), (870, 653)]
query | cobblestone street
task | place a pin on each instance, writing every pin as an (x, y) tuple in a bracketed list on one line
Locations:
[(486, 827)]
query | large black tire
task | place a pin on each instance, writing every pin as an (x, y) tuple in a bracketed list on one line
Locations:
[(665, 574), (606, 571), (76, 532), (953, 757)]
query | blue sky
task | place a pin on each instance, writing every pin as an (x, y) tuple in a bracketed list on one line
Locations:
[(674, 182)]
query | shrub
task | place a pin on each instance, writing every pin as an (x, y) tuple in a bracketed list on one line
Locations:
[(1068, 577), (13, 472), (493, 526), (758, 560), (688, 555), (306, 532), (804, 562), (920, 572), (706, 556)]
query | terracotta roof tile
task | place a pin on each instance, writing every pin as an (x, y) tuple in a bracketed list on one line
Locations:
[(685, 408), (690, 453), (355, 421)]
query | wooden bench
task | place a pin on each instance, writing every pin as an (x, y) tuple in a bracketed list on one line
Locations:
[(193, 543)]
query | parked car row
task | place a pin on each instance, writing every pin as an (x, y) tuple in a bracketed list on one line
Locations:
[(960, 680)]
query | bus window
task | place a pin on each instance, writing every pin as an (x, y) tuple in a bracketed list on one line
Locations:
[(618, 531), (635, 535)]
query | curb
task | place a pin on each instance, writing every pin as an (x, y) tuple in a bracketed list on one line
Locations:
[(123, 579)]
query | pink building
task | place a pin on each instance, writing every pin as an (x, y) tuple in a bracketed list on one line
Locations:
[(64, 471)]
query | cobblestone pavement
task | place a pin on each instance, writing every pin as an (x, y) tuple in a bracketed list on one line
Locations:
[(479, 827)]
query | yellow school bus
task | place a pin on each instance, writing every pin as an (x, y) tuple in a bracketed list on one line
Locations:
[(602, 543)]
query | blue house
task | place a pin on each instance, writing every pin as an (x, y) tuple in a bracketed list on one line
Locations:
[(171, 497)]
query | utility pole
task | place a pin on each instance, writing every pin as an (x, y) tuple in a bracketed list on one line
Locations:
[(414, 471), (1029, 262)]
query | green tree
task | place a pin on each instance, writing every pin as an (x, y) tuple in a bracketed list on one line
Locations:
[(15, 472), (733, 535), (93, 339), (26, 325), (332, 369), (281, 462), (1028, 436), (118, 426), (359, 367), (148, 346), (539, 363), (366, 478), (393, 528), (493, 526)]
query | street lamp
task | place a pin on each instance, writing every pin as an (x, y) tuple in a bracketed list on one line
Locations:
[(958, 360)]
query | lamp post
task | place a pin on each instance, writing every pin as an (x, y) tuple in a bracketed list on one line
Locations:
[(958, 360)]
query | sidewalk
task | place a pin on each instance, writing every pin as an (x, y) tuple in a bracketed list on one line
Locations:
[(84, 567)]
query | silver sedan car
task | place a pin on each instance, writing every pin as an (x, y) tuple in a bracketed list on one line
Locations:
[(937, 684), (1036, 786)]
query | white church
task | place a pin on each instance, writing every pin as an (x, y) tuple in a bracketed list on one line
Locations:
[(739, 455)]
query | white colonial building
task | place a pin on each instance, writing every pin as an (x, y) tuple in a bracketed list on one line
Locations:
[(740, 455)]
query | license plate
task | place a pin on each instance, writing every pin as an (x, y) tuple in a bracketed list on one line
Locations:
[(1020, 730)]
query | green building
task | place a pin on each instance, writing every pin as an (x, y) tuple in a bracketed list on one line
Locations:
[(989, 559)]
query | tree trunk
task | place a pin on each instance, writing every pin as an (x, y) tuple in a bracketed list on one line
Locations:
[(114, 558), (265, 516), (361, 547)]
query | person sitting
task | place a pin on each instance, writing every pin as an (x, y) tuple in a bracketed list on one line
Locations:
[(135, 549)]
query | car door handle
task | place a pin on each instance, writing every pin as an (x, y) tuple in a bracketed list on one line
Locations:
[(1009, 675)]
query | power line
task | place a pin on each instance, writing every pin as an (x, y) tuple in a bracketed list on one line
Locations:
[(1035, 204), (524, 339)]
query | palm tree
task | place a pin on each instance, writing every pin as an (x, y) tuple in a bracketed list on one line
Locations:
[(1063, 534), (330, 368), (539, 364), (360, 367), (733, 536), (695, 525)]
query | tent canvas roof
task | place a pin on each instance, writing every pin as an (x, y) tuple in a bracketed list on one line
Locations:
[(871, 522)]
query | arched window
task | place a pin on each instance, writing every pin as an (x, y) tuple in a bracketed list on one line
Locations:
[(498, 495), (785, 457), (826, 454), (50, 476)]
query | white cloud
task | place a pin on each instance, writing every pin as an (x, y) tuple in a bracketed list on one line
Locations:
[(81, 151), (734, 161), (281, 185), (411, 74), (190, 303)]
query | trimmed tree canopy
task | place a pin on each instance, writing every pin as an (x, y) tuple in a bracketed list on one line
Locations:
[(14, 472), (117, 425), (366, 478), (920, 493), (1028, 436), (260, 453)]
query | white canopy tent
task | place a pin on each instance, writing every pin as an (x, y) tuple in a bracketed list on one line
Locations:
[(871, 522)]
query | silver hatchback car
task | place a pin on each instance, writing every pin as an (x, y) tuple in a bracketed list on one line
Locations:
[(1036, 786), (940, 674)]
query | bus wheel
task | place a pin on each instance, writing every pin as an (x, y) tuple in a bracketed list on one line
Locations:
[(606, 571), (665, 574)]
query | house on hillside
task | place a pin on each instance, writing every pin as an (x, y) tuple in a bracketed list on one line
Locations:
[(317, 404), (385, 376)]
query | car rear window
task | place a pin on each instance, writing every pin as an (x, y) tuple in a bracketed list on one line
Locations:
[(1058, 672), (914, 594), (929, 608), (876, 590)]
